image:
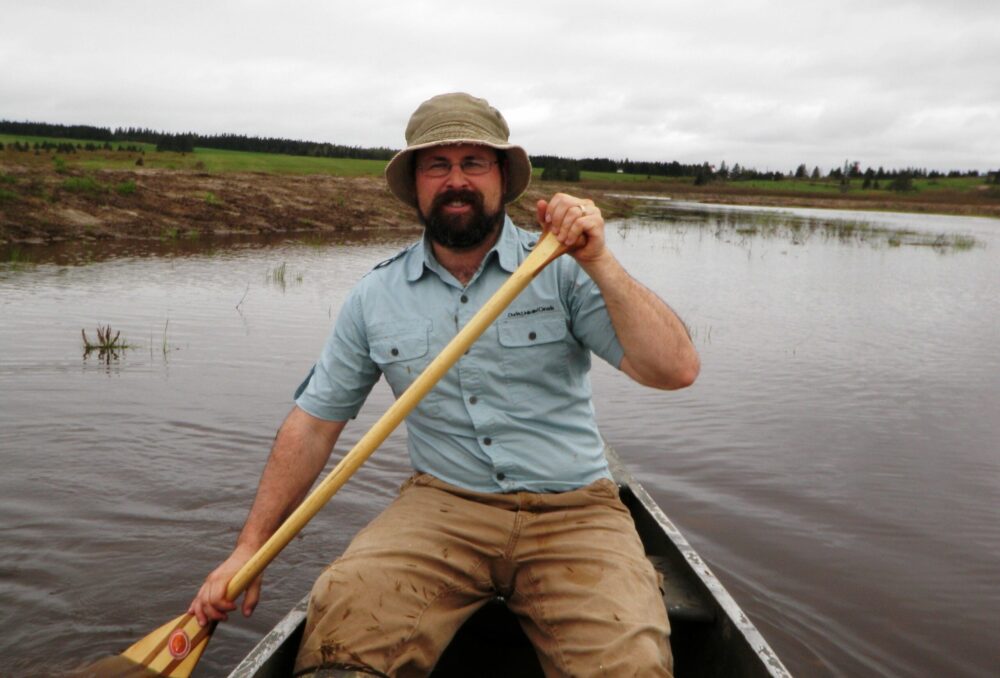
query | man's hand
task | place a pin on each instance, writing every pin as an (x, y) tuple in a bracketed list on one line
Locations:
[(576, 223), (210, 603)]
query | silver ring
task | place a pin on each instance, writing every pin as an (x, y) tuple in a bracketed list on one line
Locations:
[(583, 210)]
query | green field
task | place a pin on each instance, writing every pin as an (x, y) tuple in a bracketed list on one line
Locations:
[(220, 161), (203, 159)]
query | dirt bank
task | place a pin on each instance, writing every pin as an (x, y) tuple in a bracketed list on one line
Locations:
[(41, 205)]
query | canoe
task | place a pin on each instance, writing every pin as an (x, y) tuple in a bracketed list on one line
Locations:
[(710, 634)]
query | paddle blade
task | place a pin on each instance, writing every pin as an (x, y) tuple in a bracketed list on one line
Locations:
[(171, 651)]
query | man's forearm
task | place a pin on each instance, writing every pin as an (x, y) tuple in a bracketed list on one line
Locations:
[(658, 348), (300, 451)]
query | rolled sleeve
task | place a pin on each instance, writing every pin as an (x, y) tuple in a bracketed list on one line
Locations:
[(591, 324), (340, 381)]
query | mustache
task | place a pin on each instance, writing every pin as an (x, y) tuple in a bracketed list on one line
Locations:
[(465, 195)]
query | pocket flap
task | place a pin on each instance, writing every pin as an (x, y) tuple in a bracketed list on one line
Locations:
[(399, 342), (532, 330)]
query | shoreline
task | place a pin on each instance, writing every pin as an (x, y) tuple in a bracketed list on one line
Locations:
[(42, 206)]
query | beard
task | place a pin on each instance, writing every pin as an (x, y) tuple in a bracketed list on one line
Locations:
[(460, 231)]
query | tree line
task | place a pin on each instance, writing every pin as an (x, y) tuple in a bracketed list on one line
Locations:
[(553, 167), (185, 142)]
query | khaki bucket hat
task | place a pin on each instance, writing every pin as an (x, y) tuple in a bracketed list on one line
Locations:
[(457, 118)]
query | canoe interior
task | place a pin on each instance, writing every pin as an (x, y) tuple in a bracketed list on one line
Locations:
[(710, 636)]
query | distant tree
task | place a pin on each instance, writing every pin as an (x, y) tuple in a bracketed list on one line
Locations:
[(801, 172), (561, 169), (815, 173), (704, 175), (722, 172), (902, 183)]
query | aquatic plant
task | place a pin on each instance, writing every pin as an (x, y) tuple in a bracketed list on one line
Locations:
[(279, 276), (108, 345)]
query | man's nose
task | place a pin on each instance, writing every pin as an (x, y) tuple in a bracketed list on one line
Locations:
[(456, 177)]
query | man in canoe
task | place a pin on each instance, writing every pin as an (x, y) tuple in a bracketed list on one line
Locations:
[(511, 496)]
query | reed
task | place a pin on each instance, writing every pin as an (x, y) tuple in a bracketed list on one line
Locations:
[(108, 345)]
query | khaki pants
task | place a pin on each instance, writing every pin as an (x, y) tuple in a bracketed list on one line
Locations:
[(569, 565)]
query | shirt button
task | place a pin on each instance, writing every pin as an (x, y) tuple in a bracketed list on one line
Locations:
[(487, 441), (500, 475), (464, 299), (473, 400), (394, 351), (532, 336)]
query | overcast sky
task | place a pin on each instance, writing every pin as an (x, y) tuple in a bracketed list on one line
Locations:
[(768, 83)]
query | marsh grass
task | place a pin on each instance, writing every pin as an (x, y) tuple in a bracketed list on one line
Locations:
[(280, 276), (799, 229), (16, 259), (108, 345)]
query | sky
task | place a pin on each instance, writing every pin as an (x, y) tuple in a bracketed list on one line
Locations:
[(767, 84)]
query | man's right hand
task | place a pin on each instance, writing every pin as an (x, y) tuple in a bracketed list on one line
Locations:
[(210, 604)]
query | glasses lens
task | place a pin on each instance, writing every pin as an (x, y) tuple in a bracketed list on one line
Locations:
[(441, 168), (476, 166), (436, 168)]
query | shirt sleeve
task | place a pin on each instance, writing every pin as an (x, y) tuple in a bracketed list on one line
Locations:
[(590, 322), (340, 381)]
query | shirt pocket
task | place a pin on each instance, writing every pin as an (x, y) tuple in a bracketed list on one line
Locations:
[(534, 355), (402, 351)]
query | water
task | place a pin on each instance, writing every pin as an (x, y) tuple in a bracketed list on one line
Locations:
[(837, 462)]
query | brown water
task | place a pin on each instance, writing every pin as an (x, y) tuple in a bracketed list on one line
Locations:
[(837, 463)]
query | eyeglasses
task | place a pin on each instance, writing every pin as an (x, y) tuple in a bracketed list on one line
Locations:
[(442, 168)]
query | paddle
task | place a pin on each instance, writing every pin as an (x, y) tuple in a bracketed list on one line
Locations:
[(174, 649)]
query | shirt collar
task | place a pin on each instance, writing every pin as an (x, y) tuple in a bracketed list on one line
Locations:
[(507, 248)]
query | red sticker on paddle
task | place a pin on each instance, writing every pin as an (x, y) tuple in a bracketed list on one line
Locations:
[(179, 644)]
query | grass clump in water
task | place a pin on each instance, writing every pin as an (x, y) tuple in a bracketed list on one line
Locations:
[(279, 276), (108, 345)]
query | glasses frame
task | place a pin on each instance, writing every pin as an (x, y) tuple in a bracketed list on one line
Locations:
[(423, 167)]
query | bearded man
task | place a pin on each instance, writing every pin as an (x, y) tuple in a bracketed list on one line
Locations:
[(511, 495)]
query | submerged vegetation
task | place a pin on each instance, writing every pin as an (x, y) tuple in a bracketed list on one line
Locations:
[(798, 229)]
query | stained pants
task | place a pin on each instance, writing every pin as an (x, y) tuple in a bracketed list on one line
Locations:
[(569, 565)]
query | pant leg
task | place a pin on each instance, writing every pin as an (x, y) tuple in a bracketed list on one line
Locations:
[(405, 585), (588, 598)]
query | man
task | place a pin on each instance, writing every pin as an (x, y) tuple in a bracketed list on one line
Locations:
[(512, 495)]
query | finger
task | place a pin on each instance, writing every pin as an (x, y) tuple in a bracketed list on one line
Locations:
[(252, 596), (575, 231), (541, 209)]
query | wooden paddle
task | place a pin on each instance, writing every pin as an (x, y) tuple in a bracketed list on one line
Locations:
[(174, 649)]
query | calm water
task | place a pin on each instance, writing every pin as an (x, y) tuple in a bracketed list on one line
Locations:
[(837, 463)]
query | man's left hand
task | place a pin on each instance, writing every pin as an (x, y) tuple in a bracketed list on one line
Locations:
[(576, 223)]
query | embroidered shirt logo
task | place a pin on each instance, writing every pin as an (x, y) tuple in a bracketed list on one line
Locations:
[(532, 311)]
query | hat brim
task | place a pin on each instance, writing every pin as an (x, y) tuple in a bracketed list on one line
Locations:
[(399, 171)]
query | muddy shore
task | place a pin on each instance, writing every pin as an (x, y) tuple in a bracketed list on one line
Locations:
[(43, 206)]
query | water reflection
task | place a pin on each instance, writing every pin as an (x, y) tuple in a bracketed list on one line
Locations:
[(835, 463)]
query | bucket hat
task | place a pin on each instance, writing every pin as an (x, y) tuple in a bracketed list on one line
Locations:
[(457, 118)]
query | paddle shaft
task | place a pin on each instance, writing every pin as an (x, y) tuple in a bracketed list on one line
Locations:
[(546, 250)]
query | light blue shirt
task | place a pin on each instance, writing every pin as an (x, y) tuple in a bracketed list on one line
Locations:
[(515, 413)]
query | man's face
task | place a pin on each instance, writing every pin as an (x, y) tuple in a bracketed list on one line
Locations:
[(459, 210)]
